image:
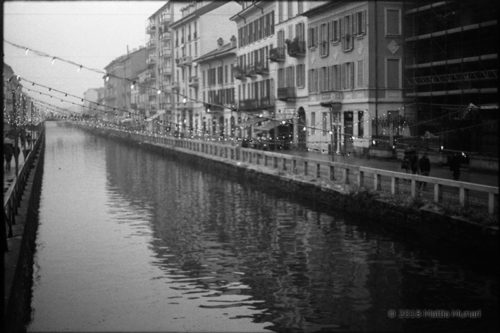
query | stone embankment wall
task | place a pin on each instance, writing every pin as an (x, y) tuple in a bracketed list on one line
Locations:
[(421, 225)]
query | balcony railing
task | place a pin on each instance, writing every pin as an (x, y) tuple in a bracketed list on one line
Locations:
[(261, 68), (151, 43), (182, 105), (250, 71), (194, 81), (296, 48), (150, 60), (287, 93), (256, 104), (214, 108), (239, 73), (277, 54), (184, 61), (150, 29)]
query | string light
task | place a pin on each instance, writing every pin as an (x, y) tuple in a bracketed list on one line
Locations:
[(79, 69), (27, 51), (53, 60)]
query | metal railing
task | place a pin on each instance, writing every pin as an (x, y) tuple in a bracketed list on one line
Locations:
[(331, 174), (14, 194)]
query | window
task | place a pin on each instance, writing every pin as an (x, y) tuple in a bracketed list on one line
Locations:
[(226, 74), (310, 77), (360, 77), (300, 6), (347, 75), (290, 9), (219, 75), (393, 74), (347, 34), (301, 73), (360, 23), (232, 75), (281, 77), (280, 11), (261, 27), (313, 37), (335, 31), (324, 47), (361, 121), (281, 38), (313, 123), (392, 22), (325, 122), (290, 76), (299, 31)]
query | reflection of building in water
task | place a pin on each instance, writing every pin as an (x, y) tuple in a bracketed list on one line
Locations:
[(310, 268)]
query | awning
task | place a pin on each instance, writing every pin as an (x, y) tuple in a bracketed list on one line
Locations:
[(268, 125), (250, 122), (156, 115)]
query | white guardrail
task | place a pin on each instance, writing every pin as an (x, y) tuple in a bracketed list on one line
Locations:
[(438, 190)]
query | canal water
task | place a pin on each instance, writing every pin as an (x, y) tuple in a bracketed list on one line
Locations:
[(131, 240)]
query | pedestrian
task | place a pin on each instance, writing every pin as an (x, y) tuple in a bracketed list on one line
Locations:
[(425, 168), (414, 162), (8, 152), (405, 164), (455, 166), (424, 165)]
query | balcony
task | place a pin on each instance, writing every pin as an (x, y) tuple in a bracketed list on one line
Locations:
[(250, 71), (175, 86), (193, 81), (151, 28), (151, 44), (150, 61), (296, 48), (184, 61), (213, 108), (239, 73), (256, 104), (261, 68), (287, 93), (182, 105), (277, 54), (165, 52)]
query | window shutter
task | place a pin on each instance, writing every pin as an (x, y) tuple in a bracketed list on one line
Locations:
[(355, 24), (363, 21), (316, 36), (328, 32), (309, 37), (342, 32), (343, 76)]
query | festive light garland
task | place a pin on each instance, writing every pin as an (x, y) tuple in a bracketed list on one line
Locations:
[(186, 98)]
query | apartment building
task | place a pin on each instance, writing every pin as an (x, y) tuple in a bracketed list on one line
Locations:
[(290, 64), (92, 98), (121, 72), (209, 17), (451, 70), (160, 59), (354, 54), (255, 79), (217, 88)]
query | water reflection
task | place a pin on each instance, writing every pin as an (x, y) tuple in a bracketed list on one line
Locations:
[(189, 250)]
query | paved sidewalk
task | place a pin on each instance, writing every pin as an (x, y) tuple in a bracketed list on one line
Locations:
[(10, 175), (473, 176)]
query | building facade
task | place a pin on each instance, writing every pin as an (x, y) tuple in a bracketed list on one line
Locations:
[(158, 77), (217, 89), (451, 72), (355, 55), (118, 83), (208, 17)]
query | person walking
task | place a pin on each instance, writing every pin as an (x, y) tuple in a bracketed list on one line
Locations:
[(424, 165), (455, 166), (414, 162), (8, 153)]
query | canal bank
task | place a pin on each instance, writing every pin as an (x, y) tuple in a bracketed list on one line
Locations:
[(21, 203), (414, 219)]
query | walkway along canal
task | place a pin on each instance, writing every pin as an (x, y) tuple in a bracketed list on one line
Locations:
[(20, 206), (132, 239), (454, 215)]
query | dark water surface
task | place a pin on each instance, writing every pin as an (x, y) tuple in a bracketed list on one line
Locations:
[(133, 241)]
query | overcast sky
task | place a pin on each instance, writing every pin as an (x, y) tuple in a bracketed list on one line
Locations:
[(91, 33)]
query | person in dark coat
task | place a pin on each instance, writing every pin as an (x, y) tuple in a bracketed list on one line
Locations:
[(8, 152), (405, 164), (455, 166), (424, 165), (414, 162)]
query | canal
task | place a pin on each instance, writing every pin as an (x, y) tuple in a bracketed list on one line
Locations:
[(131, 240)]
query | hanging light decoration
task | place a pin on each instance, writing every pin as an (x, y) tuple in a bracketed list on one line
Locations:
[(79, 69), (53, 60)]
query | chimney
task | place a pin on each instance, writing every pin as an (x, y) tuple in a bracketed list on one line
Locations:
[(233, 41), (220, 42)]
